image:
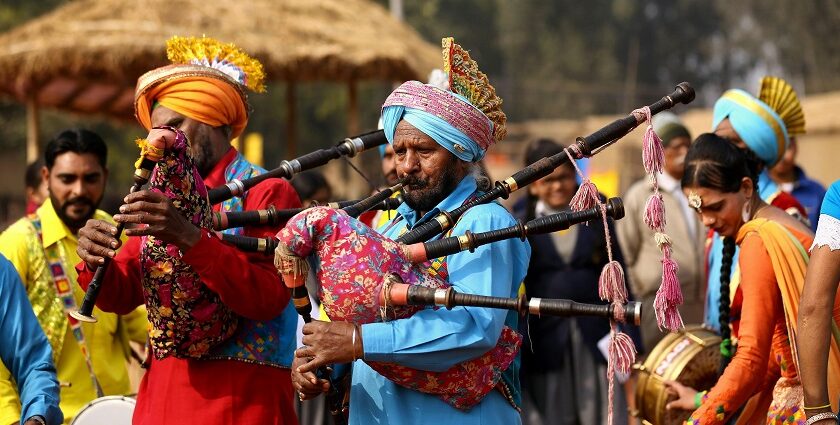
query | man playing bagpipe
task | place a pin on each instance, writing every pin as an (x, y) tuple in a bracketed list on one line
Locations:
[(437, 136), (223, 331)]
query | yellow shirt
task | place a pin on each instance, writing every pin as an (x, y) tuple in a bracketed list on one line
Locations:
[(107, 340)]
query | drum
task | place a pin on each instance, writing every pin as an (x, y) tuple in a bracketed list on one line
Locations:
[(690, 357), (108, 410)]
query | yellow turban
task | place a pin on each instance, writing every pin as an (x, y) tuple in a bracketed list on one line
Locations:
[(197, 92)]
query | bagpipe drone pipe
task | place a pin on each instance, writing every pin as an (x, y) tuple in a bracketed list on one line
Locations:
[(273, 217), (350, 147), (382, 199), (357, 268)]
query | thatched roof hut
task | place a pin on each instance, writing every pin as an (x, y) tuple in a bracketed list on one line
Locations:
[(86, 56)]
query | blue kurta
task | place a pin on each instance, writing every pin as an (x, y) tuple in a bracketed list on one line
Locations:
[(766, 190), (436, 340), (25, 351)]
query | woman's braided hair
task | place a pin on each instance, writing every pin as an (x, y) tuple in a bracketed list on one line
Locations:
[(726, 349)]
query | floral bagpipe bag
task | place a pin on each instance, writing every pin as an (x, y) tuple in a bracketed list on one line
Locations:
[(187, 318), (352, 262)]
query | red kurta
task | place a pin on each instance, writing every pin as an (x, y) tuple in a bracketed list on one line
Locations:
[(179, 391)]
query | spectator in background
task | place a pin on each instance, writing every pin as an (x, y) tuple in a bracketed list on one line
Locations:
[(790, 178), (42, 247), (640, 250), (377, 218), (564, 378), (35, 186), (389, 165), (312, 188)]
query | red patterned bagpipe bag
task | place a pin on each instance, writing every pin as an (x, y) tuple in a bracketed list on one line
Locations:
[(187, 318), (352, 264)]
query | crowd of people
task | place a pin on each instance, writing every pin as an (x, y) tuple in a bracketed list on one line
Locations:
[(755, 239)]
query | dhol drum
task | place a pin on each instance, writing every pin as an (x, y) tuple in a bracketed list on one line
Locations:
[(108, 410), (690, 357)]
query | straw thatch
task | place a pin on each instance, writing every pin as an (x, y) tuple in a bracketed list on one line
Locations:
[(86, 56)]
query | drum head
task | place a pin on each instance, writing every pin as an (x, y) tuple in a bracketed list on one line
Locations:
[(110, 410)]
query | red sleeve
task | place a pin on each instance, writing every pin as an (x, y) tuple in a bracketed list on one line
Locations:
[(246, 282), (746, 374), (121, 290)]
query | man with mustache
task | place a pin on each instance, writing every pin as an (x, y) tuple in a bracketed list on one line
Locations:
[(640, 250), (243, 379), (89, 358), (438, 136)]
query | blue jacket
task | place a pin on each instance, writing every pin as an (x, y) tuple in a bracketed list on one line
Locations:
[(810, 194)]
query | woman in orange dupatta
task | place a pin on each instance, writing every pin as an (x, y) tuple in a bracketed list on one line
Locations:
[(760, 381)]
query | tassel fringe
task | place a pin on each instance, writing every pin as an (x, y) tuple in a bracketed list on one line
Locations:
[(611, 285)]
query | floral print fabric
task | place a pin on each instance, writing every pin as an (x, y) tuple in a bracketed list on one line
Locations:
[(351, 262), (187, 318)]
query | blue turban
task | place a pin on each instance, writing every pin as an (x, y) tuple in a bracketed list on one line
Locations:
[(437, 128), (758, 125)]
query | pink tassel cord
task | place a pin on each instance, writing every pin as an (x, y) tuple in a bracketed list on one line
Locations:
[(652, 154), (670, 282), (669, 295), (622, 355), (622, 352), (655, 212), (586, 196), (611, 285)]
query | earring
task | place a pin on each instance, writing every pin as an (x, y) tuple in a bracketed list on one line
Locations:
[(745, 212)]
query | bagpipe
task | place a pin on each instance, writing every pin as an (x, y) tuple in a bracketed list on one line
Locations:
[(350, 147), (152, 153), (366, 277), (187, 318)]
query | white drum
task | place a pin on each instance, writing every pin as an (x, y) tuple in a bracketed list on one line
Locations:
[(109, 410)]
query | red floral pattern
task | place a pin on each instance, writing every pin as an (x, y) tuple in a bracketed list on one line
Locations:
[(187, 318), (352, 261)]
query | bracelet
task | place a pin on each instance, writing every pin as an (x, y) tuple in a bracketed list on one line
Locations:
[(821, 416), (353, 343), (827, 406), (698, 398)]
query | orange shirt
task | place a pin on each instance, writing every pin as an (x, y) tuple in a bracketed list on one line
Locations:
[(764, 348)]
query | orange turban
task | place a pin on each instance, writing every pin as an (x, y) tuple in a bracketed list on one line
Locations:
[(204, 95)]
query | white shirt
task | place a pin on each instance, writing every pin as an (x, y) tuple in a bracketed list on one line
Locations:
[(672, 186)]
